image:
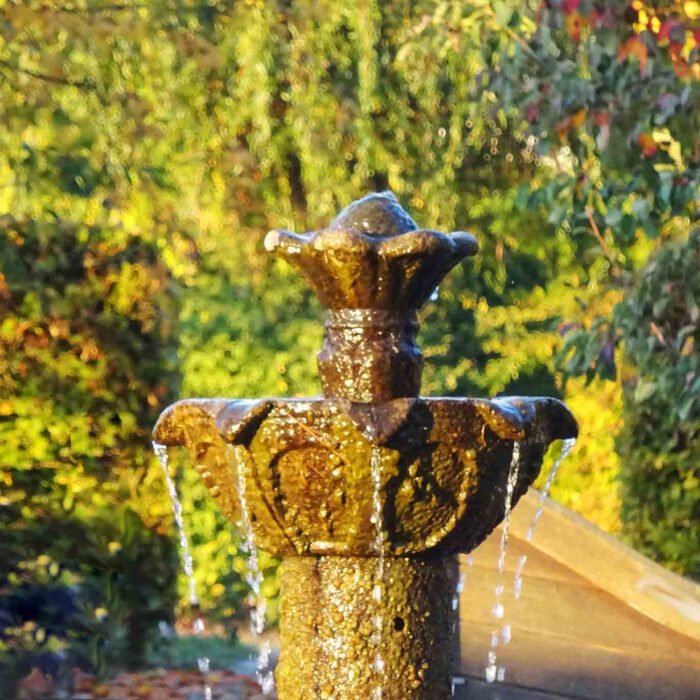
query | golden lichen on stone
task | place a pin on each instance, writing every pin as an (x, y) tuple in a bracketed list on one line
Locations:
[(329, 607)]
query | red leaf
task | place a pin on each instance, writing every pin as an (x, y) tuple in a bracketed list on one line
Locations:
[(648, 145), (664, 34), (634, 46), (574, 23)]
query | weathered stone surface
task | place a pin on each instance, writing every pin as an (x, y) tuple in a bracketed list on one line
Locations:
[(327, 645), (305, 466), (373, 256)]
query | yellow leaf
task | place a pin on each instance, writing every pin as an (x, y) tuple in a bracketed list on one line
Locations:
[(578, 118), (661, 136), (689, 44), (674, 150), (692, 9)]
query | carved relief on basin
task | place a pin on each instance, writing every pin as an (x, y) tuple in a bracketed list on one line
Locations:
[(306, 466)]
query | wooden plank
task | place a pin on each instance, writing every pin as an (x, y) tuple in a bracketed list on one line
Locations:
[(576, 629), (638, 582), (583, 671), (538, 563), (580, 614)]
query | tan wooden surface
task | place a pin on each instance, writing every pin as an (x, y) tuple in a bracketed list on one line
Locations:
[(588, 624)]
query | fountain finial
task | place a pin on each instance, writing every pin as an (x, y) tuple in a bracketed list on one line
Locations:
[(372, 267), (373, 256)]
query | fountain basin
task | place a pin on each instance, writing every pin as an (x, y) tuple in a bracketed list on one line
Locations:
[(444, 465), (306, 471)]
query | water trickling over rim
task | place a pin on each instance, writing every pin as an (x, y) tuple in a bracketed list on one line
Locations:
[(255, 579), (492, 671), (198, 627)]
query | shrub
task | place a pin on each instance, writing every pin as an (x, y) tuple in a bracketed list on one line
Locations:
[(84, 358), (659, 444)]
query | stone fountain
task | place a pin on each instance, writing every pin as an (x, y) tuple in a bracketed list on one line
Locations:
[(369, 492)]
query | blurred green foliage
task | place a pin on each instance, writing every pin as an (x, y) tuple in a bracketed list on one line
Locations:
[(659, 446), (611, 98), (182, 652), (87, 357), (147, 149)]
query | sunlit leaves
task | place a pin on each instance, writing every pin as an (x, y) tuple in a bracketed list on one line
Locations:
[(83, 351)]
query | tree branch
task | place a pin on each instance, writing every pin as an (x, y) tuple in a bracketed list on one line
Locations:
[(55, 79), (604, 246)]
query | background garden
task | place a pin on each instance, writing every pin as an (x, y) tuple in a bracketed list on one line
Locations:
[(147, 147)]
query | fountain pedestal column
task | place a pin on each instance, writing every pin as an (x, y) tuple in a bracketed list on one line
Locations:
[(328, 635)]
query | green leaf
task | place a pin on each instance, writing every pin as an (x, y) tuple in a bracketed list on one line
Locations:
[(644, 390), (613, 217)]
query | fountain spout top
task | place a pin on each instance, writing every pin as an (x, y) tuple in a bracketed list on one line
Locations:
[(372, 268), (373, 256)]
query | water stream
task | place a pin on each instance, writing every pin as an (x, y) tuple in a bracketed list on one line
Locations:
[(198, 627), (254, 579), (567, 446), (378, 588), (493, 672)]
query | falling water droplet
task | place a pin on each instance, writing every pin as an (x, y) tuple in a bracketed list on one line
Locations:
[(490, 674), (435, 294), (161, 452), (518, 581), (455, 599), (254, 579), (517, 588), (498, 608)]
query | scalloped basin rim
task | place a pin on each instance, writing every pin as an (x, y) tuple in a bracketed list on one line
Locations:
[(417, 242), (507, 417)]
